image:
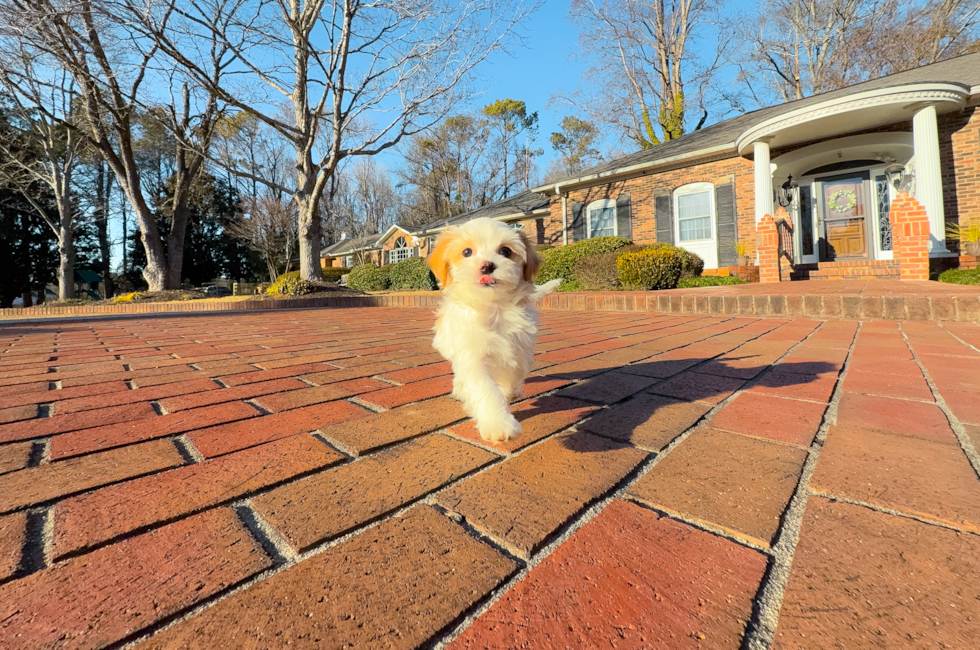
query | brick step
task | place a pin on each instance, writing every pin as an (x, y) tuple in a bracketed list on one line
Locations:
[(824, 278), (857, 270), (858, 263)]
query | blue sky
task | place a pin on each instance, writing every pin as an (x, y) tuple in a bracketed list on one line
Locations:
[(548, 63)]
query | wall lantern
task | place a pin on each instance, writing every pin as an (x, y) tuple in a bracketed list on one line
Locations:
[(787, 192), (896, 174)]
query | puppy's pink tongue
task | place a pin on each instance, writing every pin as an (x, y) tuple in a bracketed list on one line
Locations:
[(486, 279)]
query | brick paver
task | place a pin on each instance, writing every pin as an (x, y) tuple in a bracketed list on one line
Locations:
[(150, 466)]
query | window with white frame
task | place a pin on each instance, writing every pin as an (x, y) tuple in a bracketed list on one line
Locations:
[(349, 261), (401, 251), (695, 212), (601, 218)]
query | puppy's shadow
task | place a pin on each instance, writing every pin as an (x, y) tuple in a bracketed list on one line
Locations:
[(674, 385)]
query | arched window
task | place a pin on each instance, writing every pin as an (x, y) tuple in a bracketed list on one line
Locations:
[(401, 251), (601, 218)]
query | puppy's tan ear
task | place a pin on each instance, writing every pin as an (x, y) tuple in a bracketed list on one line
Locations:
[(438, 259), (533, 261)]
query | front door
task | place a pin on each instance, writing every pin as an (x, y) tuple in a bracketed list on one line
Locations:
[(844, 209)]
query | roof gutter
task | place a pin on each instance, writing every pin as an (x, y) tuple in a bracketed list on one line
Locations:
[(514, 215), (619, 172)]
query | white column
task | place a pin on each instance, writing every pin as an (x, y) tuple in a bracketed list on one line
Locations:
[(763, 180), (928, 176)]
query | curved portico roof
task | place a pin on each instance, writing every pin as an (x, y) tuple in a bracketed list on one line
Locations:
[(948, 82)]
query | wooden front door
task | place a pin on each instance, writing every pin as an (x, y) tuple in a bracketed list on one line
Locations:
[(844, 209)]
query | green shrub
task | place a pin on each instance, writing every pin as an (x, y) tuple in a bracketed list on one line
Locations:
[(290, 284), (599, 272), (691, 265), (657, 267), (961, 276), (560, 262), (709, 281), (333, 273), (412, 273), (368, 277)]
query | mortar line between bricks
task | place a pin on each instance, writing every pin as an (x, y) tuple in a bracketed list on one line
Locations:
[(951, 333), (188, 450), (961, 436), (701, 524), (439, 642), (890, 511), (761, 631), (292, 560)]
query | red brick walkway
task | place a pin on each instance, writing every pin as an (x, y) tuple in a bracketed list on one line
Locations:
[(302, 479)]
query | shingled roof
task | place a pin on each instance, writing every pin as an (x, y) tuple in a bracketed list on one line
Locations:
[(518, 205), (963, 70)]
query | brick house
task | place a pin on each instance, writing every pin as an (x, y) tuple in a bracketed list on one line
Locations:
[(834, 162), (393, 245), (530, 210)]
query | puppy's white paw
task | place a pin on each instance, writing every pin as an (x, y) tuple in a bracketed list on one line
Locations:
[(542, 290), (499, 429)]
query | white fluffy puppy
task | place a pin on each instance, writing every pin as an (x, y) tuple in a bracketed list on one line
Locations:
[(487, 325)]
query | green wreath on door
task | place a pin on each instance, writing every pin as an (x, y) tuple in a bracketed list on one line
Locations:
[(851, 197)]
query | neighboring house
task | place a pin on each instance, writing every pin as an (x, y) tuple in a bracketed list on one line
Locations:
[(392, 246), (834, 161), (527, 210)]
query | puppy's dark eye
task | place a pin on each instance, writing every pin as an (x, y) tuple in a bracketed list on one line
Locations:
[(505, 252), (467, 252)]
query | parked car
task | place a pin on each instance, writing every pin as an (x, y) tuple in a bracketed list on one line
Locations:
[(217, 292)]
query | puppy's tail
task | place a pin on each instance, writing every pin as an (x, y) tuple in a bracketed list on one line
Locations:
[(542, 290)]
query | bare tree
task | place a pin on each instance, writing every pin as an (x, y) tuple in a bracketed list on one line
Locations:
[(800, 48), (47, 149), (390, 68), (575, 144), (646, 64), (269, 227), (450, 170), (119, 75)]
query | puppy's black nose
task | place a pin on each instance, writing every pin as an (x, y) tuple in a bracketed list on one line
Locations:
[(487, 268)]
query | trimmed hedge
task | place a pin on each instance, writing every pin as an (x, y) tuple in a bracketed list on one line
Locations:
[(599, 272), (333, 273), (412, 273), (657, 267), (560, 262), (291, 284), (709, 281), (961, 276), (691, 265), (368, 277)]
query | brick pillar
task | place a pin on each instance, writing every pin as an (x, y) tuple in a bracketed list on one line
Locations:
[(767, 245), (910, 237)]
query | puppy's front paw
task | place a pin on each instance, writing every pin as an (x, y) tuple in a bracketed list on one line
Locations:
[(499, 429)]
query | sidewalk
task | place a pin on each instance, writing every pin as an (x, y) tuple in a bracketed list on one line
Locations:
[(302, 479)]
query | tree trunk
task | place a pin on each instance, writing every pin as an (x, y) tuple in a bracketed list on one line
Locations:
[(40, 297), (103, 189), (26, 297), (310, 236), (175, 245), (66, 264), (155, 271)]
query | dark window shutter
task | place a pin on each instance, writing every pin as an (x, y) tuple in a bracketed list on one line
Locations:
[(726, 224), (665, 219), (578, 222), (624, 218)]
